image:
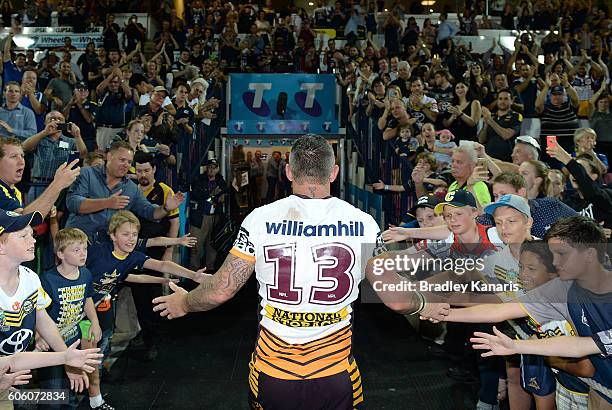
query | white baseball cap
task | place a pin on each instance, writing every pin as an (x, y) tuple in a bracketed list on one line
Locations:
[(526, 139)]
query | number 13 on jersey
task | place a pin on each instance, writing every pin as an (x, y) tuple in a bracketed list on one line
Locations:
[(332, 262)]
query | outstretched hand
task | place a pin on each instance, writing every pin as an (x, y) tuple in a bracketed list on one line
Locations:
[(395, 234), (172, 306), (497, 344)]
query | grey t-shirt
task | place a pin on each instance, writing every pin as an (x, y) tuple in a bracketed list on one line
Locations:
[(548, 302)]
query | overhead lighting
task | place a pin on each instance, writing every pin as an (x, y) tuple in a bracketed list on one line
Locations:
[(310, 3), (428, 2), (431, 10), (386, 10)]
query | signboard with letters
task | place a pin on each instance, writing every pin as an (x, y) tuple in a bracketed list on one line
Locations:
[(263, 104)]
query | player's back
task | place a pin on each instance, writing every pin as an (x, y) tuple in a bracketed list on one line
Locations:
[(309, 258)]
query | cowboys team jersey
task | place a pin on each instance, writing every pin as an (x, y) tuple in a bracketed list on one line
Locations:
[(309, 257), (18, 312)]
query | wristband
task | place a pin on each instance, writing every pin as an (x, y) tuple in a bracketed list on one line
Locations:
[(422, 305), (387, 188), (603, 340)]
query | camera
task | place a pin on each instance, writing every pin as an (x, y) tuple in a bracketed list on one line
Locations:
[(64, 127)]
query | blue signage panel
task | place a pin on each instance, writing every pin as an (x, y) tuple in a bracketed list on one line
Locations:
[(282, 104)]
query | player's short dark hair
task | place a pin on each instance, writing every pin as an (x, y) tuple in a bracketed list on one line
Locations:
[(312, 159), (142, 157), (581, 233)]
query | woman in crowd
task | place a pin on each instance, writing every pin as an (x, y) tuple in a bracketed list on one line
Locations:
[(463, 116)]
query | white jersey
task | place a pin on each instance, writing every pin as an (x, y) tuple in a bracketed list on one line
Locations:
[(309, 255), (18, 312)]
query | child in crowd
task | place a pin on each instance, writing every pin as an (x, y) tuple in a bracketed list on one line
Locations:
[(69, 286), (433, 182), (581, 295), (22, 298), (444, 148), (110, 264), (406, 144)]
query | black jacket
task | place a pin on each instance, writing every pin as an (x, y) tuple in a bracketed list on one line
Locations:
[(597, 198)]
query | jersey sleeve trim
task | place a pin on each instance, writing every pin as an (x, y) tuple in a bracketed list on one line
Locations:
[(242, 255), (529, 314), (46, 298)]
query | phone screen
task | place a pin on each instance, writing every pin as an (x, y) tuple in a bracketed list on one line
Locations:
[(551, 141)]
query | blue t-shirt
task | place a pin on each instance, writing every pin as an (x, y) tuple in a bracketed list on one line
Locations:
[(108, 270), (11, 72), (591, 313), (68, 299)]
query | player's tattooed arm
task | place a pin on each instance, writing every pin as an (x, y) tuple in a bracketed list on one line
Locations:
[(221, 286)]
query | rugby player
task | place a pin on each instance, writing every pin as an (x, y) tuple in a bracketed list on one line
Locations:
[(307, 252)]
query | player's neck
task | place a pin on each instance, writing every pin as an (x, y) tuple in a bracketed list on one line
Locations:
[(68, 271), (311, 190)]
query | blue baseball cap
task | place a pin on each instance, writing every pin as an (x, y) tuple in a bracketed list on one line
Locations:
[(513, 201), (456, 199), (12, 222)]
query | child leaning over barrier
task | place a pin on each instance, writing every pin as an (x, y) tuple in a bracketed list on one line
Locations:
[(110, 263)]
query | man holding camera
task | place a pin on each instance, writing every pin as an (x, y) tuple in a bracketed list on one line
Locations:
[(51, 148), (205, 210)]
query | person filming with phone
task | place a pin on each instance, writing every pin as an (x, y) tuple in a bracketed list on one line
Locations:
[(592, 198), (57, 143)]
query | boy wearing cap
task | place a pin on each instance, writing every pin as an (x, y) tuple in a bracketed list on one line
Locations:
[(22, 298), (423, 212)]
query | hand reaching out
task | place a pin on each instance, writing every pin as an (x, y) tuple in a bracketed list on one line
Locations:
[(7, 380), (188, 241), (497, 344), (172, 306)]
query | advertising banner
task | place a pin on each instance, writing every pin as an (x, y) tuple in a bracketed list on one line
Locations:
[(282, 104)]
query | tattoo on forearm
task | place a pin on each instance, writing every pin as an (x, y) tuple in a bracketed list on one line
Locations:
[(229, 278)]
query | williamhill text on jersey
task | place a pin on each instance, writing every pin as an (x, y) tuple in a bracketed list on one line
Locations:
[(296, 228)]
